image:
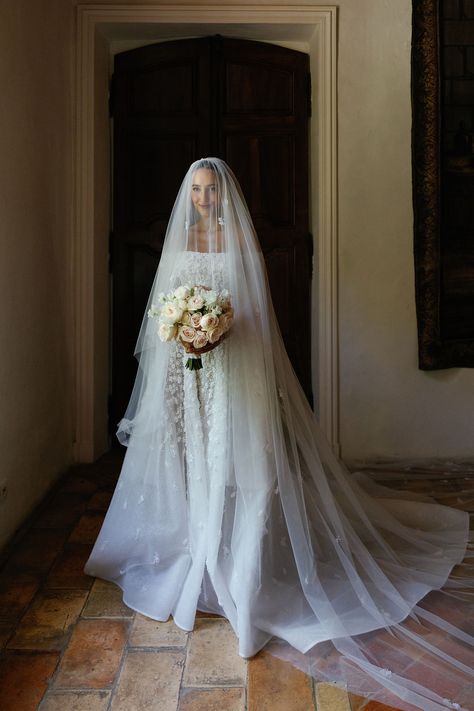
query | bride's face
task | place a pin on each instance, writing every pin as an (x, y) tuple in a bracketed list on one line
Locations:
[(204, 192)]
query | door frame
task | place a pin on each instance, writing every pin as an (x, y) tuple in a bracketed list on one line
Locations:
[(89, 341)]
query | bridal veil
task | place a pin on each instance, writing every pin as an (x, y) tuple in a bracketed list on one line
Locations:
[(349, 580)]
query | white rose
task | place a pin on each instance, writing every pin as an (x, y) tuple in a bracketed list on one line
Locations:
[(214, 334), (224, 298), (187, 333), (186, 319), (200, 339), (154, 311), (182, 292), (196, 320), (195, 302), (209, 321), (225, 322), (166, 331), (171, 313), (210, 297)]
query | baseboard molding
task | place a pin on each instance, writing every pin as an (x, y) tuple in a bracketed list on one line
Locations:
[(430, 468)]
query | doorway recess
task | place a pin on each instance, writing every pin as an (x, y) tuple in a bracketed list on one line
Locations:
[(311, 28)]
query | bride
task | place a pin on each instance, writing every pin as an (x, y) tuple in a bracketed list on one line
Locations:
[(230, 499)]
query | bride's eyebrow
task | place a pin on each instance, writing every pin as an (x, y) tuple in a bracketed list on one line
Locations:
[(197, 185)]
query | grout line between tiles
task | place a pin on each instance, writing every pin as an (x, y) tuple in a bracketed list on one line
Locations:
[(118, 675), (185, 659)]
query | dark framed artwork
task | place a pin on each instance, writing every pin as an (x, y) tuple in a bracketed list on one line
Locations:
[(443, 180)]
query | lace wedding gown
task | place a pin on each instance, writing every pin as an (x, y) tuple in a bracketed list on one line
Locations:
[(163, 542), (187, 529)]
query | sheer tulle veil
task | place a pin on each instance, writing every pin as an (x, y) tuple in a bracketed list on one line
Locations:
[(350, 581)]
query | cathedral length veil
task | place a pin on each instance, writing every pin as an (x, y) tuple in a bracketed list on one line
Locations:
[(322, 567)]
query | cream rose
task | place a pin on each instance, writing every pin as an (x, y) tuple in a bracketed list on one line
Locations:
[(186, 319), (214, 334), (225, 322), (200, 339), (224, 298), (182, 292), (154, 311), (171, 313), (196, 320), (210, 297), (195, 302), (187, 333), (209, 321), (166, 331)]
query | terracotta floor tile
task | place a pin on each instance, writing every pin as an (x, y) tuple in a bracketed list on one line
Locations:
[(466, 698), (48, 621), (458, 501), (105, 600), (213, 657), (68, 569), (24, 679), (149, 681), (377, 706), (356, 702), (212, 700), (424, 674), (6, 631), (77, 484), (150, 633), (87, 528), (100, 501), (361, 703), (209, 615), (37, 550), (92, 657), (62, 511), (395, 657), (76, 701), (274, 685), (330, 697), (16, 593)]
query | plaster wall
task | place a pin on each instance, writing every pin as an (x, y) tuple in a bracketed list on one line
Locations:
[(35, 260), (389, 408)]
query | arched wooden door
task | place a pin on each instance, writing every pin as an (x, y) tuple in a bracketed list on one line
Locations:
[(175, 102)]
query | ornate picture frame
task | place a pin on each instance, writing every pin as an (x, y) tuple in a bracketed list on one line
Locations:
[(434, 351)]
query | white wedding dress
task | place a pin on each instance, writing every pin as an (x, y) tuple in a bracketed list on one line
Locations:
[(230, 500)]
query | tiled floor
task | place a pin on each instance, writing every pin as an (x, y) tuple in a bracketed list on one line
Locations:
[(69, 642)]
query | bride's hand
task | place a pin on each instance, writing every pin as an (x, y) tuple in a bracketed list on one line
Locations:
[(189, 348)]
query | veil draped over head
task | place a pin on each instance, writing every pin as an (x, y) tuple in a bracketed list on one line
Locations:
[(323, 567)]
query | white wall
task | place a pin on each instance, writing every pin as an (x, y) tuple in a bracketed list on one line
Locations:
[(389, 408), (35, 209)]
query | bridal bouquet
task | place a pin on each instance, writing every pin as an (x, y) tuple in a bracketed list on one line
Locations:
[(196, 316)]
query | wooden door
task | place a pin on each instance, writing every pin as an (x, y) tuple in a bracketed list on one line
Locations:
[(264, 104), (175, 102)]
